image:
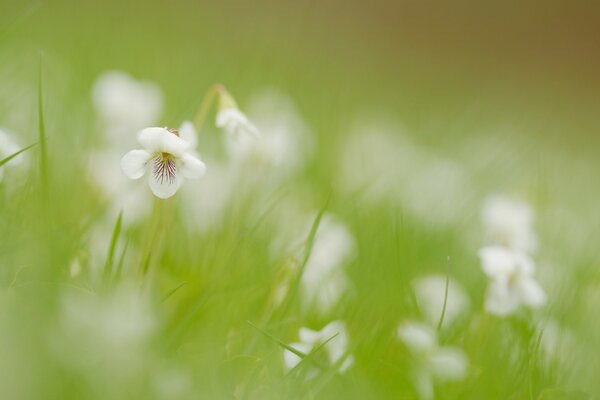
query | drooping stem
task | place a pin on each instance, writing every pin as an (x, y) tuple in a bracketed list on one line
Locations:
[(207, 102)]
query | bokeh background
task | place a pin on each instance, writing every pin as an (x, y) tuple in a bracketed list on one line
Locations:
[(508, 91)]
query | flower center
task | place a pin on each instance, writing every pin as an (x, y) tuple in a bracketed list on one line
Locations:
[(164, 168)]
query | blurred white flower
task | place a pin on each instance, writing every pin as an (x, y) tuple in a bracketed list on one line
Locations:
[(511, 280), (559, 344), (285, 139), (121, 195), (430, 292), (125, 104), (380, 165), (433, 362), (172, 383), (236, 124), (8, 147), (168, 157), (324, 280), (205, 204), (111, 330), (508, 222), (334, 339)]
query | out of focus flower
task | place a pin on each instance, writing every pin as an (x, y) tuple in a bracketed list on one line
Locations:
[(121, 195), (205, 203), (430, 292), (236, 123), (168, 157), (324, 280), (433, 362), (285, 139), (559, 344), (508, 222), (125, 104), (334, 339), (512, 283), (381, 165), (8, 147), (232, 120), (113, 332)]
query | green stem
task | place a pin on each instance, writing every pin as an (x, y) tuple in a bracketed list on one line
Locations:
[(207, 102), (151, 237)]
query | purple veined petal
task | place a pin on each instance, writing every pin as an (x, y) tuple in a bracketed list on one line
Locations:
[(164, 178)]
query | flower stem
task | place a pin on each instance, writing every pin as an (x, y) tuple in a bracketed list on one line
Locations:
[(153, 237), (207, 102)]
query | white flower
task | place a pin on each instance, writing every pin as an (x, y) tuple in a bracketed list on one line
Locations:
[(8, 147), (434, 362), (285, 139), (324, 280), (125, 104), (430, 292), (236, 124), (509, 223), (168, 157), (512, 282), (119, 193), (380, 164), (559, 344), (114, 328), (335, 339), (206, 203)]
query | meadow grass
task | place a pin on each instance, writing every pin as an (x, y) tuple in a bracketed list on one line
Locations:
[(200, 295)]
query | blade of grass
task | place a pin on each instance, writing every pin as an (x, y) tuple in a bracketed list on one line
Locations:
[(309, 246), (119, 269), (310, 357), (42, 130), (279, 342), (111, 250), (19, 20), (441, 321), (172, 291), (7, 159)]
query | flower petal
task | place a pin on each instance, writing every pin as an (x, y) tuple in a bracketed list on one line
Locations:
[(448, 364), (531, 292), (497, 261), (164, 179), (192, 167), (187, 132), (290, 360), (161, 140), (417, 337), (309, 336), (501, 298), (134, 163), (236, 123)]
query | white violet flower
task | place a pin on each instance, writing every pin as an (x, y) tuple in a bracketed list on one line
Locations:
[(236, 123), (334, 339), (509, 223), (324, 280), (126, 104), (168, 157), (430, 292), (434, 362), (512, 282)]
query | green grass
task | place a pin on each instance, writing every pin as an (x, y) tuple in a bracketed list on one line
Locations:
[(93, 306)]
